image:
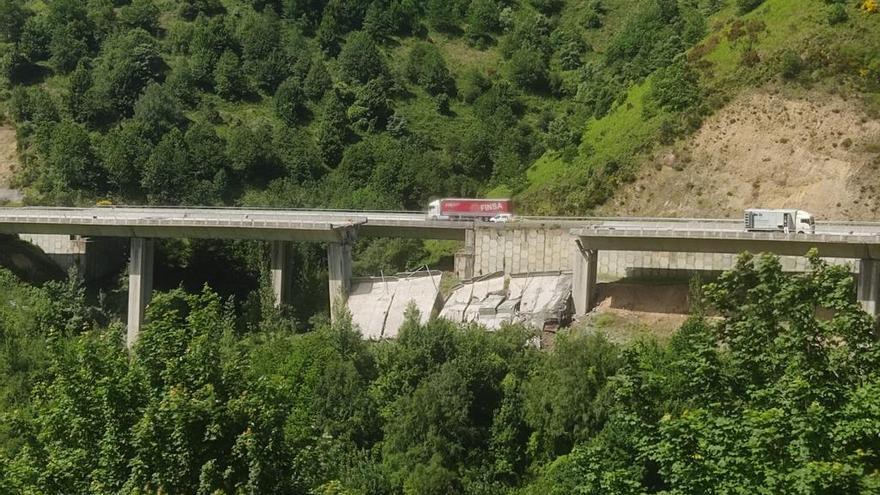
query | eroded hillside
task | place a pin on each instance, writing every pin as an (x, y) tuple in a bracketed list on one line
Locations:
[(813, 151)]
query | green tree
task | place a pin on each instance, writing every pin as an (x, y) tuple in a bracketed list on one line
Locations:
[(166, 176), (676, 88), (563, 397), (124, 152), (141, 14), (482, 20), (127, 64), (35, 38), (371, 107), (360, 59), (746, 6), (261, 53), (442, 15), (78, 100), (229, 82), (70, 160), (158, 112), (12, 18), (426, 67), (289, 102), (73, 33), (528, 69), (318, 80)]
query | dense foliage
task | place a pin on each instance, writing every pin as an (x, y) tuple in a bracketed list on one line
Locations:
[(283, 94), (778, 393)]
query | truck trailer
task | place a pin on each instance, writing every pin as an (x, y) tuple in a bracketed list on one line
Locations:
[(495, 210), (779, 220)]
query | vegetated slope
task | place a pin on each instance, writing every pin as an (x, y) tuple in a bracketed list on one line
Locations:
[(813, 151), (388, 104), (828, 46)]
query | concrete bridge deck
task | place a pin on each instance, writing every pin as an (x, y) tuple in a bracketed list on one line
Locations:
[(863, 246), (224, 223)]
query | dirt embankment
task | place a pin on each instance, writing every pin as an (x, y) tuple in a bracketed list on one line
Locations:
[(8, 163), (816, 152)]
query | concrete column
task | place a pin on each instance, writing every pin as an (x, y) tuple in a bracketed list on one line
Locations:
[(339, 271), (278, 251), (583, 280), (140, 286), (868, 285), (464, 258)]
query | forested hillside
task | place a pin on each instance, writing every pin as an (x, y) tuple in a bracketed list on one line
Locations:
[(385, 104), (772, 397)]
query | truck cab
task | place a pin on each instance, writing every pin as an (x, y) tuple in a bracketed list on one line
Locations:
[(434, 211)]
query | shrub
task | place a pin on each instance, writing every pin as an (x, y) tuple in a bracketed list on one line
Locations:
[(791, 65), (528, 69), (675, 88), (427, 68), (746, 6), (483, 19), (473, 84), (229, 81), (141, 13), (837, 14), (289, 101), (360, 60)]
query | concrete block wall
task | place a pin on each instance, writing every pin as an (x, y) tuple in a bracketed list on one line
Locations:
[(94, 257), (64, 250), (519, 250)]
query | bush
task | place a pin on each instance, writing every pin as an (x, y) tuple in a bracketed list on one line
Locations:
[(528, 69), (426, 67), (140, 14), (483, 20), (12, 18), (473, 84), (791, 64), (289, 101), (360, 60), (675, 88), (746, 6), (837, 14), (229, 81), (318, 81)]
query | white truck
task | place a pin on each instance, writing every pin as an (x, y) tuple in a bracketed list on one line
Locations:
[(779, 220)]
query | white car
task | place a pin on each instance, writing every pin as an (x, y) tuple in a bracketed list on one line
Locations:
[(501, 218)]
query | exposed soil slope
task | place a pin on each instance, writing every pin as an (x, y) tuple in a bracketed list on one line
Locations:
[(816, 152), (8, 155), (8, 164)]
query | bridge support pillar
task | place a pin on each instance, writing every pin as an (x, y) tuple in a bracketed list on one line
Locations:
[(583, 280), (278, 251), (464, 258), (140, 286), (339, 271), (868, 286)]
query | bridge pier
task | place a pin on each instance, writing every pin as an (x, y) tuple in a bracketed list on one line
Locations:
[(868, 285), (583, 281), (140, 285), (278, 251), (464, 258), (339, 273)]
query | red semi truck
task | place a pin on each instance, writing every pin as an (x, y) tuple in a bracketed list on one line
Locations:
[(492, 210)]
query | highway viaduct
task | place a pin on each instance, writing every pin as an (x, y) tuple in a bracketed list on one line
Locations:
[(581, 238)]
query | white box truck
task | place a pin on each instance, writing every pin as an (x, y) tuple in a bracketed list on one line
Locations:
[(780, 220)]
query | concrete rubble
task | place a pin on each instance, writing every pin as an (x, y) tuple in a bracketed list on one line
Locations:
[(539, 300), (378, 304), (536, 299)]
